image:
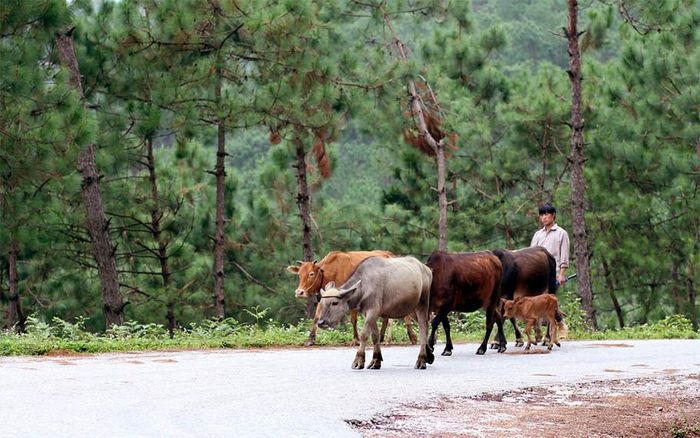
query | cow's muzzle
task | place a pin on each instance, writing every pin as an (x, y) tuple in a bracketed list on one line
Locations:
[(322, 323), (300, 293)]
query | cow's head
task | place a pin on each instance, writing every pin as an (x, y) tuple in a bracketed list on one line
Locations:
[(334, 304), (508, 307), (310, 278)]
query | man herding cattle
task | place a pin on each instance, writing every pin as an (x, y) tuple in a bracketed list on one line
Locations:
[(554, 238)]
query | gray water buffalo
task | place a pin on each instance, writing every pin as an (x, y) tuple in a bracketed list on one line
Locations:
[(389, 288)]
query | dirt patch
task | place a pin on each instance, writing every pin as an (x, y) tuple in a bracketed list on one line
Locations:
[(660, 406)]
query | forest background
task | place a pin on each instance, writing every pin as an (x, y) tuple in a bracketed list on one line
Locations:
[(230, 139)]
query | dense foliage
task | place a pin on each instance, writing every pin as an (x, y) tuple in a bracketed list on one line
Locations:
[(161, 77)]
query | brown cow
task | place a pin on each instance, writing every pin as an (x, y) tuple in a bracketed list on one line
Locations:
[(527, 272), (532, 310), (336, 266), (465, 282)]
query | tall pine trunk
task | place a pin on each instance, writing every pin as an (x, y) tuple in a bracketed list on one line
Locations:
[(578, 186), (438, 147), (610, 284), (220, 237), (15, 317), (156, 231), (692, 293), (98, 226), (304, 203)]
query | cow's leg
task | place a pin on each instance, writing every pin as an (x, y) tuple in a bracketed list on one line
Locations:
[(553, 333), (518, 336), (408, 321), (448, 336), (390, 327), (385, 322), (353, 319), (312, 333), (491, 318), (359, 361), (433, 328), (422, 315), (528, 328), (500, 335), (376, 362)]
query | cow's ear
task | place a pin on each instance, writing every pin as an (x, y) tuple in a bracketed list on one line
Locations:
[(330, 285), (293, 269)]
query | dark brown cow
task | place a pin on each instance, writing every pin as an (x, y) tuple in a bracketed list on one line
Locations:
[(527, 272), (336, 266), (465, 282)]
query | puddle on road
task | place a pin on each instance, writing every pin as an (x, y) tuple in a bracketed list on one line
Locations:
[(609, 345), (63, 362)]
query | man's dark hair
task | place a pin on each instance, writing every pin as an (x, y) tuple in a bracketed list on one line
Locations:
[(547, 208)]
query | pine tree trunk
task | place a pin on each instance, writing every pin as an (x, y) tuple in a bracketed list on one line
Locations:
[(15, 317), (692, 294), (442, 197), (437, 146), (304, 203), (578, 187), (220, 237), (156, 216), (98, 226), (610, 284)]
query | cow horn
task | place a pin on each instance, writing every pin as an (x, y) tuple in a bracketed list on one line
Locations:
[(299, 262), (330, 285), (330, 293), (351, 288)]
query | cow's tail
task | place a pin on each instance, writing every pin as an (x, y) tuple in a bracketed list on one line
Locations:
[(553, 285)]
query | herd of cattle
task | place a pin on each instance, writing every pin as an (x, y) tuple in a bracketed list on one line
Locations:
[(506, 284)]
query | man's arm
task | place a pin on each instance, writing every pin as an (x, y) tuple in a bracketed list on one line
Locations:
[(563, 257)]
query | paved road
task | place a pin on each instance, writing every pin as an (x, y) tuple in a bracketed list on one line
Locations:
[(286, 393)]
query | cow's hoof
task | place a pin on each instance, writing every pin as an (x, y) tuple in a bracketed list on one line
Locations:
[(429, 357), (354, 343), (519, 343), (494, 346), (501, 348), (447, 353), (358, 364), (420, 364), (481, 351), (374, 365), (527, 348), (309, 343), (558, 344)]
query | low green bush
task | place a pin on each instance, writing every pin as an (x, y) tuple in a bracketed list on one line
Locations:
[(58, 336)]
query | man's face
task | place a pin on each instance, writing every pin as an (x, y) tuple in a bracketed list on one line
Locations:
[(547, 219)]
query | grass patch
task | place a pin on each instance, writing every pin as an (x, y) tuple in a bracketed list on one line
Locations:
[(58, 336)]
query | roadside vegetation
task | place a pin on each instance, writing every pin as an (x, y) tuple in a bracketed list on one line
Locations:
[(62, 337)]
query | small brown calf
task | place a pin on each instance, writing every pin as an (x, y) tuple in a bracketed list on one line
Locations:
[(532, 310)]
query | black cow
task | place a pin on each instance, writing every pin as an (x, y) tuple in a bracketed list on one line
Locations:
[(527, 272), (465, 282)]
